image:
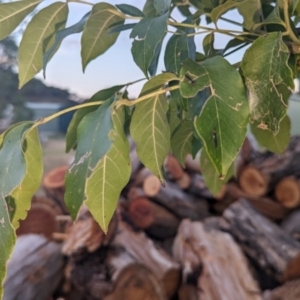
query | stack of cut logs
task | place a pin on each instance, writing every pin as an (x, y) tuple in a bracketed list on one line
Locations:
[(176, 241)]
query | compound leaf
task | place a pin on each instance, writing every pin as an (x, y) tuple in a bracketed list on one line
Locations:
[(22, 194), (149, 126), (211, 176), (38, 37), (130, 10), (71, 137), (179, 47), (269, 80), (12, 171), (96, 38), (148, 35), (275, 143), (222, 123), (181, 141), (60, 35), (110, 175), (249, 9), (162, 6), (93, 143), (13, 13)]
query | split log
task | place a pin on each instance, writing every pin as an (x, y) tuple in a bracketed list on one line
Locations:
[(287, 192), (266, 206), (89, 274), (153, 218), (172, 168), (132, 280), (263, 241), (155, 259), (214, 262), (289, 291), (188, 291), (87, 234), (34, 270), (291, 224), (181, 204)]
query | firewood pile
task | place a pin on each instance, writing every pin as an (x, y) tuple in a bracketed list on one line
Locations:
[(176, 241)]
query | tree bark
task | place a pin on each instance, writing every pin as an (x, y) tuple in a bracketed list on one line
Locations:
[(34, 270), (214, 263), (263, 241), (183, 205), (155, 259)]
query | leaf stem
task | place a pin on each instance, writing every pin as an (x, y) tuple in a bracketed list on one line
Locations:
[(230, 21), (64, 111), (236, 49), (127, 102), (82, 2), (224, 31), (118, 104), (289, 31)]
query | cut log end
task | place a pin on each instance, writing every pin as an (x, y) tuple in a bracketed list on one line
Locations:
[(140, 212), (55, 178), (173, 168), (151, 185), (184, 181), (287, 192), (253, 182)]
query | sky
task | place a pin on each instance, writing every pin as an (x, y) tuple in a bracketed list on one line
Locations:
[(116, 66)]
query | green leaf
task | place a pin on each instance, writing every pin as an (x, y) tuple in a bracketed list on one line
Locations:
[(71, 137), (179, 47), (173, 118), (93, 143), (268, 79), (13, 13), (130, 10), (60, 35), (95, 38), (208, 45), (149, 9), (119, 28), (150, 32), (222, 123), (273, 17), (197, 145), (110, 175), (12, 171), (162, 6), (275, 143), (249, 9), (211, 176), (235, 43), (38, 37), (181, 141), (22, 194), (149, 126), (195, 104)]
